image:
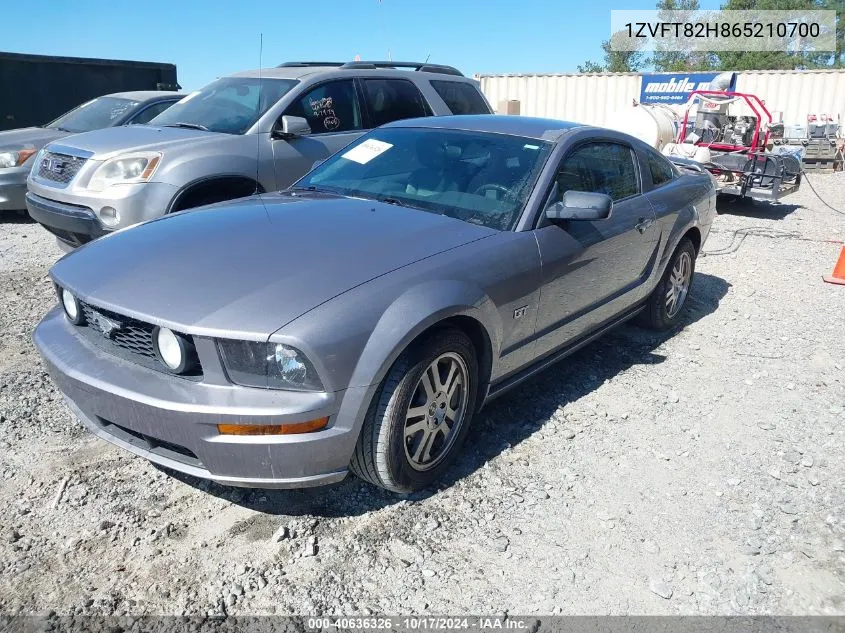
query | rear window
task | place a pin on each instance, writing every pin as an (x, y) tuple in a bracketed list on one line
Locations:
[(461, 97), (391, 100)]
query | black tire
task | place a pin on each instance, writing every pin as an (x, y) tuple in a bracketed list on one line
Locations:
[(381, 454), (656, 315)]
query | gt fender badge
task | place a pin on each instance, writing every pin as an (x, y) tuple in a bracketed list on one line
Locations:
[(520, 312)]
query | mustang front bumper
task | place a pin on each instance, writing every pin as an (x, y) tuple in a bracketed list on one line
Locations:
[(173, 421)]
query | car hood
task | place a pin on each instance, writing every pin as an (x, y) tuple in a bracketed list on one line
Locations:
[(245, 268), (110, 142), (29, 137)]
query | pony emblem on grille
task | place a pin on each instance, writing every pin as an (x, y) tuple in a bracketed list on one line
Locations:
[(108, 327)]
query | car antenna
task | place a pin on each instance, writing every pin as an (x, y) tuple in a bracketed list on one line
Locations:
[(258, 135)]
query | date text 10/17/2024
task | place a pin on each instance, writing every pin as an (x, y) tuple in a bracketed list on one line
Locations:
[(422, 623)]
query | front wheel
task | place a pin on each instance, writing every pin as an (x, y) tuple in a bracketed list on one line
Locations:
[(421, 414), (665, 305)]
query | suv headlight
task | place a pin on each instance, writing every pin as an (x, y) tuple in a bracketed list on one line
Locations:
[(126, 169), (15, 158), (268, 365)]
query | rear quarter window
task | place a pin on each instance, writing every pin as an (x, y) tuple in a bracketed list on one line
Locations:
[(391, 100), (461, 97), (661, 170)]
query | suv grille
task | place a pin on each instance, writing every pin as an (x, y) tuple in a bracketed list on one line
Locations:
[(60, 167), (124, 337)]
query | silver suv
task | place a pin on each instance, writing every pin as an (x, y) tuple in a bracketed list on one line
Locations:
[(254, 131)]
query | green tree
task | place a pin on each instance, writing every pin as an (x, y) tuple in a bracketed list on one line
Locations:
[(616, 61), (679, 60), (782, 60)]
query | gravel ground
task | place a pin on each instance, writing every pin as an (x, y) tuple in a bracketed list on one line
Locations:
[(700, 471)]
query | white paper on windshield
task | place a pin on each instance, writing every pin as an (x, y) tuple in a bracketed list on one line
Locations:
[(367, 151)]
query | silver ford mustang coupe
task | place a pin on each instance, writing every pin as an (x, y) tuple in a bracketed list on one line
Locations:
[(358, 320)]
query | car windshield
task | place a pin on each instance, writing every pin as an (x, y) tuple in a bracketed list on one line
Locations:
[(94, 115), (477, 177), (230, 105)]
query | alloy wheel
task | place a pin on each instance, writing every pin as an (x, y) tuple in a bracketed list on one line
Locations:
[(679, 283), (436, 411)]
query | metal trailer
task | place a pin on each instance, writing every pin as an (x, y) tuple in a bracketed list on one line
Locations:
[(35, 89), (743, 167)]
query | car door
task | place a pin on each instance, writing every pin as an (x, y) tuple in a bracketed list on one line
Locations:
[(333, 111), (593, 269)]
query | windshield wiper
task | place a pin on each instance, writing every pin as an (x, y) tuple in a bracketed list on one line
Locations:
[(190, 126), (397, 202), (314, 188), (388, 200)]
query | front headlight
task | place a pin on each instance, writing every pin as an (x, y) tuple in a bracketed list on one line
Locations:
[(15, 158), (268, 365), (131, 168)]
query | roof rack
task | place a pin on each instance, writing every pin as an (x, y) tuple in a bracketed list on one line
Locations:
[(365, 65), (304, 64)]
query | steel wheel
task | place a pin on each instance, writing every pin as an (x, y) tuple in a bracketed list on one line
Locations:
[(679, 282), (436, 411)]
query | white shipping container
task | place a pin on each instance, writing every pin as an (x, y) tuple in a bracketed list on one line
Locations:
[(595, 99)]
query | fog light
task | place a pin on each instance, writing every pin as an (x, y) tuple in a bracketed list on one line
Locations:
[(273, 429), (71, 307), (109, 216), (173, 350)]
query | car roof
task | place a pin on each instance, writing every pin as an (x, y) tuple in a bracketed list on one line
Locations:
[(293, 72), (531, 127), (298, 72), (145, 95)]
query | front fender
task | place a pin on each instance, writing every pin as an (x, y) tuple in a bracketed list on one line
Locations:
[(413, 312)]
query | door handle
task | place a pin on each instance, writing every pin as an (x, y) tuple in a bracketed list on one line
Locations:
[(643, 224)]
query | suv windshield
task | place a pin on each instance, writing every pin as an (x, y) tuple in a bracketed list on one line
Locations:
[(94, 115), (477, 177), (231, 105)]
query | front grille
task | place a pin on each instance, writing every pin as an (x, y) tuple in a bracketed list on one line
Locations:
[(60, 168), (125, 337), (125, 332)]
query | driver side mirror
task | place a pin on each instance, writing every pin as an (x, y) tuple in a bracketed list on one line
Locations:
[(580, 205), (291, 127)]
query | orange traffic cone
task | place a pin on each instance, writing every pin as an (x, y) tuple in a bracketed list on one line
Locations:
[(838, 275)]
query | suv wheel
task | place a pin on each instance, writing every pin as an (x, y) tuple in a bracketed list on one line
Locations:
[(420, 415), (665, 305)]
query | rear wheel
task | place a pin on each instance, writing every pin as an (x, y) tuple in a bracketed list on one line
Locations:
[(420, 415), (666, 303)]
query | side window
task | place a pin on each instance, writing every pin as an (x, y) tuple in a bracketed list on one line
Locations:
[(330, 107), (145, 116), (461, 97), (392, 99), (605, 168), (661, 169)]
